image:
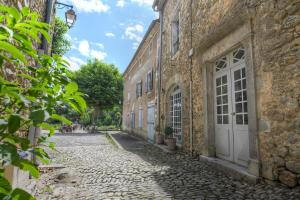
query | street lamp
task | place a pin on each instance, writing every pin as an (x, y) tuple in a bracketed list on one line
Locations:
[(70, 15)]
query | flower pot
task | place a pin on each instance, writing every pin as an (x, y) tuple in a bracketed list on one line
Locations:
[(171, 142), (159, 138)]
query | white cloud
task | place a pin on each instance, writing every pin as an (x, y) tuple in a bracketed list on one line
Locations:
[(90, 5), (74, 62), (84, 48), (120, 3), (100, 45), (143, 2), (135, 45), (134, 32), (109, 34), (100, 55)]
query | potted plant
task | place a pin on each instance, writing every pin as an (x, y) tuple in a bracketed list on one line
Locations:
[(159, 136), (170, 140)]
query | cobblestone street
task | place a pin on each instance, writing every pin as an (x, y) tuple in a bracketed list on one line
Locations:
[(97, 169)]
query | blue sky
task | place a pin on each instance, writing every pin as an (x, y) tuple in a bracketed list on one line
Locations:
[(110, 30)]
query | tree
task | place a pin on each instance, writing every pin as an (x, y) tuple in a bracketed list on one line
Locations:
[(60, 44), (29, 95), (102, 83)]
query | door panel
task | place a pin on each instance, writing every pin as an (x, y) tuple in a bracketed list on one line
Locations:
[(223, 120), (240, 117), (150, 123)]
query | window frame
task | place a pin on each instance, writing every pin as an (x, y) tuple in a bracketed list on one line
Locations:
[(175, 27), (149, 81), (139, 89)]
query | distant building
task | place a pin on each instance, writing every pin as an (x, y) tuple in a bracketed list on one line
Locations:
[(140, 88)]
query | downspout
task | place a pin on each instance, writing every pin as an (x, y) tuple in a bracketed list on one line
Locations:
[(191, 77), (35, 131), (49, 11), (159, 67)]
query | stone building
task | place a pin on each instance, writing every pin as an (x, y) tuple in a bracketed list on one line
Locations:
[(139, 88), (46, 9), (229, 82)]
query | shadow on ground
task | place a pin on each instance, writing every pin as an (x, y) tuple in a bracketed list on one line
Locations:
[(185, 177)]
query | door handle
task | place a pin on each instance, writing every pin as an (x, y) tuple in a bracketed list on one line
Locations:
[(233, 113)]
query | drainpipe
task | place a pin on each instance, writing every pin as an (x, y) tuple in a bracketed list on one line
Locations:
[(49, 12), (191, 77), (35, 132), (159, 67)]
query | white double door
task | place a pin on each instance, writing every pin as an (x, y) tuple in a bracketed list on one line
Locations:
[(231, 114)]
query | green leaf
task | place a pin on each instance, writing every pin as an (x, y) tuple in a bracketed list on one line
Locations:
[(12, 11), (61, 118), (5, 187), (3, 124), (5, 46), (14, 123), (48, 127), (41, 155), (52, 145), (39, 116), (26, 165), (19, 194), (81, 102), (71, 88)]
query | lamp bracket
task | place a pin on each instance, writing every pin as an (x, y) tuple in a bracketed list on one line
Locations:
[(63, 5)]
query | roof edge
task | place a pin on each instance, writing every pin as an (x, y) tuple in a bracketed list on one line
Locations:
[(141, 44)]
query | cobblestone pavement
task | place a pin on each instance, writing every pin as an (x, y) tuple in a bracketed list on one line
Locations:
[(97, 169)]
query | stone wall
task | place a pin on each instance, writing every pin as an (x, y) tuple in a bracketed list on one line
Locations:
[(143, 62), (274, 38)]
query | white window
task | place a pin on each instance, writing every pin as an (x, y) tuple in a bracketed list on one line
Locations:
[(132, 120), (175, 34), (128, 96), (175, 114), (149, 81), (139, 89), (140, 118)]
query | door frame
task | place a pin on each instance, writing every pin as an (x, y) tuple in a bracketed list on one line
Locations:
[(208, 99)]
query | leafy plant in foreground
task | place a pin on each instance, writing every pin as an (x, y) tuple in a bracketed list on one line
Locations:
[(31, 86)]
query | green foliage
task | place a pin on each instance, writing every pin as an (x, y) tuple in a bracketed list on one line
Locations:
[(102, 83), (168, 131), (111, 117), (28, 97), (60, 44)]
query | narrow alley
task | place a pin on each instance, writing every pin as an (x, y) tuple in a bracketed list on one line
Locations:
[(95, 168)]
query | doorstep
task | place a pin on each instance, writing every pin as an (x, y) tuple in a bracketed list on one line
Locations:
[(164, 148), (236, 171)]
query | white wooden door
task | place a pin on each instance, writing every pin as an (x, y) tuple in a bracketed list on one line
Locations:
[(231, 113), (150, 123), (240, 114)]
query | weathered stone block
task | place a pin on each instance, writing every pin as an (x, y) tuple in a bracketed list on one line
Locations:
[(294, 151), (278, 161), (283, 151), (288, 178), (291, 21), (291, 9), (293, 166), (267, 171)]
